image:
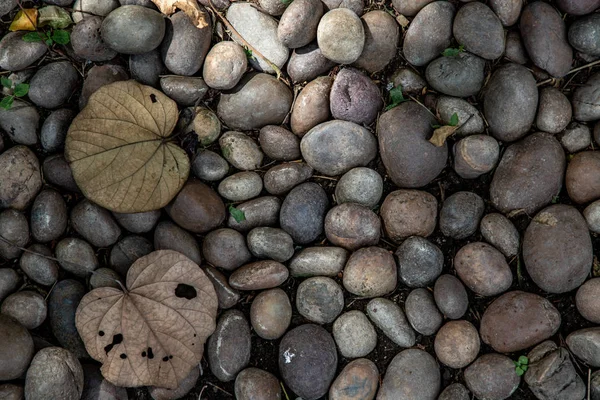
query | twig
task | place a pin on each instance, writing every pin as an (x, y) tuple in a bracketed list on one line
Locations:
[(202, 391), (222, 390), (589, 383), (593, 63), (288, 398), (422, 105), (325, 177)]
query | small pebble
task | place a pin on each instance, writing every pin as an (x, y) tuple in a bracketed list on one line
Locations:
[(389, 317), (17, 349), (420, 262), (168, 236), (360, 185), (209, 166), (259, 275), (185, 90), (354, 334), (318, 261), (39, 269), (500, 232), (9, 282), (279, 144), (241, 186), (226, 248), (27, 307), (319, 299), (62, 307), (53, 84), (138, 222), (15, 229), (450, 296), (227, 296), (422, 313), (345, 385), (76, 256), (54, 129), (460, 215), (457, 344), (271, 314), (370, 272), (105, 277), (253, 382), (48, 216), (271, 243), (126, 251)]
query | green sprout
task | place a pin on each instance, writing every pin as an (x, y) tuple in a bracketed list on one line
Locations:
[(237, 214), (20, 90), (396, 97), (521, 365), (58, 36), (453, 52)]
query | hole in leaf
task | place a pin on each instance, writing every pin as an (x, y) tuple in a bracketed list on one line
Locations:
[(150, 353), (118, 338), (165, 359), (186, 291), (123, 356), (170, 357), (153, 98), (101, 333), (143, 354)]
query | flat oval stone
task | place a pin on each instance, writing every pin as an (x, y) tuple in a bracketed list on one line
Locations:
[(229, 346), (284, 177), (354, 97), (492, 376), (62, 307), (585, 344), (389, 317), (581, 178), (21, 177), (240, 150), (370, 272), (20, 122), (241, 186), (53, 84), (461, 75), (587, 302), (457, 344), (420, 262), (280, 144), (263, 211), (584, 35), (360, 185), (413, 374), (381, 38), (271, 313), (298, 24), (321, 261), (224, 57), (39, 269), (95, 224), (146, 68), (76, 256), (226, 295), (54, 130), (483, 269), (354, 334), (253, 382), (308, 62), (209, 166), (259, 275), (197, 208), (319, 299), (185, 45), (311, 106), (422, 313), (409, 212), (554, 111), (17, 54), (138, 222), (226, 249), (303, 212), (352, 226), (133, 29), (450, 296), (272, 243), (17, 351), (460, 214), (341, 36), (360, 370), (27, 307), (168, 236), (479, 30)]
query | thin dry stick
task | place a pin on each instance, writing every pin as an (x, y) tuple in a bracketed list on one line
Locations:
[(589, 383), (422, 105), (222, 390), (597, 62)]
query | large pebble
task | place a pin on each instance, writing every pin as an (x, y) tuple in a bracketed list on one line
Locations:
[(412, 374), (341, 36), (39, 269), (582, 181), (271, 243), (298, 24), (554, 111), (185, 90), (62, 307), (409, 158), (409, 212), (197, 208), (263, 211), (209, 166), (370, 272), (303, 212), (518, 320), (510, 91), (429, 33), (95, 224), (450, 296), (252, 382), (17, 349), (492, 376), (311, 106), (345, 385), (284, 177), (335, 147), (352, 226), (76, 256), (133, 29), (229, 346), (53, 84), (225, 248), (256, 101), (461, 75), (475, 155), (258, 275), (354, 97), (479, 30), (138, 222), (557, 249), (483, 269), (224, 65), (17, 54), (354, 334), (420, 262), (168, 236), (9, 282), (308, 62), (586, 100), (15, 229), (87, 41), (21, 178), (241, 186), (185, 45), (54, 130), (27, 307), (280, 144), (500, 232), (389, 317), (241, 150), (585, 345), (126, 251), (457, 344), (460, 214), (584, 35), (20, 122), (529, 175), (271, 314), (545, 37), (320, 261), (308, 361), (146, 68), (381, 40), (260, 31), (422, 313), (319, 299)]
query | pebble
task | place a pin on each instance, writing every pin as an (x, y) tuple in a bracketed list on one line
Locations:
[(507, 11), (168, 236), (308, 361), (225, 248), (469, 119), (138, 222), (259, 275), (185, 386), (354, 5), (586, 100), (62, 306), (53, 84), (389, 317), (318, 261), (126, 251), (9, 282), (256, 101), (584, 35), (345, 385), (298, 24), (515, 51), (311, 106), (95, 224), (352, 226), (21, 177), (241, 150), (575, 137), (185, 46), (450, 296), (410, 8), (341, 36), (545, 37), (429, 33), (273, 7), (17, 351), (209, 166), (279, 144), (586, 300), (420, 262), (27, 307), (133, 29), (319, 299), (335, 147), (16, 54), (241, 186), (87, 42), (360, 185), (381, 38), (408, 80), (483, 269), (185, 90), (229, 346), (14, 228), (461, 75), (20, 122), (303, 212), (55, 373), (475, 155), (354, 334), (370, 272), (85, 9), (470, 22), (197, 208), (557, 249), (422, 313), (554, 111), (98, 76), (529, 174), (146, 68), (9, 391), (518, 320), (227, 296), (105, 277), (39, 269), (492, 376), (500, 232), (54, 130), (224, 65), (457, 344), (581, 7), (595, 385), (455, 391), (510, 91), (409, 212), (252, 382), (460, 214), (5, 8), (413, 374), (76, 256), (260, 31), (271, 314), (354, 97), (282, 178), (592, 216), (585, 345), (263, 211), (308, 62), (582, 177), (271, 243)]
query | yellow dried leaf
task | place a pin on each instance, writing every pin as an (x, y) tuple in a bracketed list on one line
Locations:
[(191, 7), (441, 134), (154, 333), (119, 148), (25, 20)]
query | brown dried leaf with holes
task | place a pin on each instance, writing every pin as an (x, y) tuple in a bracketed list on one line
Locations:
[(154, 332), (199, 17)]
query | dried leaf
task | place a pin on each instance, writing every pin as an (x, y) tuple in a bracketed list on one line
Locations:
[(119, 150), (154, 333), (54, 17), (199, 17), (441, 134), (25, 20)]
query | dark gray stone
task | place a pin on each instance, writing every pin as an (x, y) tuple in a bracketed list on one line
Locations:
[(303, 212), (62, 305), (229, 346)]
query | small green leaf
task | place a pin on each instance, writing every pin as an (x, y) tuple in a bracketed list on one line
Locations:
[(453, 52), (61, 36), (555, 199), (49, 42), (7, 83), (435, 126), (286, 2), (237, 214), (396, 97), (453, 120), (519, 371), (523, 360), (7, 102), (524, 367), (33, 37), (21, 89)]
